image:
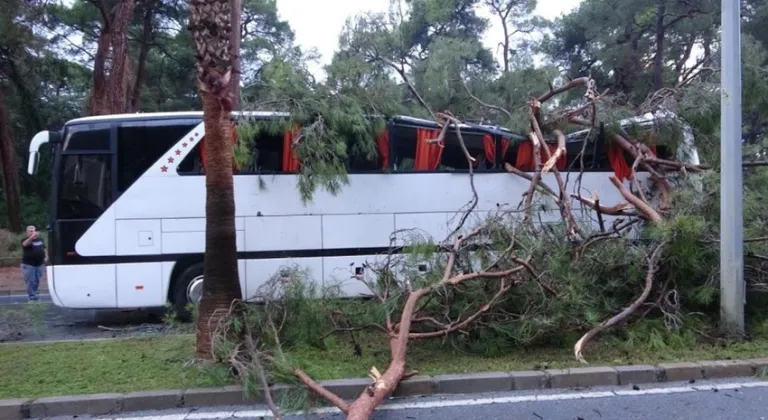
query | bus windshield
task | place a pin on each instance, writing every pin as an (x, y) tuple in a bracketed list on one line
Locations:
[(85, 173), (85, 186)]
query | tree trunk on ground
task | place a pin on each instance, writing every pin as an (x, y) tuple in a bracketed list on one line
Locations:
[(209, 22), (9, 168), (236, 16), (110, 84)]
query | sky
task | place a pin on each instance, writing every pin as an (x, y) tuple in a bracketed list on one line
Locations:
[(319, 23)]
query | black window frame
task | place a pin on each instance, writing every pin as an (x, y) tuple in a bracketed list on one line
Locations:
[(396, 141), (61, 152), (57, 224), (194, 151), (192, 122), (110, 161)]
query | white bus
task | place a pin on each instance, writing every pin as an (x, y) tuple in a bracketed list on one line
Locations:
[(127, 219)]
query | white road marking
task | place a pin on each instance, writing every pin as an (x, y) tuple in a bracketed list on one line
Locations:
[(216, 415)]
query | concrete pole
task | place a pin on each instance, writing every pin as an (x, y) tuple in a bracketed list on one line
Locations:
[(732, 286)]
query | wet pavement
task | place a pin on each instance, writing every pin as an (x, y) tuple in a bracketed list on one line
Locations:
[(44, 321), (717, 399)]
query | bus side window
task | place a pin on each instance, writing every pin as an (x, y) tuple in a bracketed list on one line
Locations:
[(590, 161), (262, 154), (85, 186), (454, 159), (88, 137), (415, 150), (510, 154), (140, 146), (267, 154), (368, 158), (192, 163), (403, 143)]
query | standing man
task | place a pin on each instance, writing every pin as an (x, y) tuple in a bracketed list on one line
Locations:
[(32, 260)]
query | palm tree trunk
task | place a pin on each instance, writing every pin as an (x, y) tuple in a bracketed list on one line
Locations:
[(221, 285), (209, 22), (236, 16)]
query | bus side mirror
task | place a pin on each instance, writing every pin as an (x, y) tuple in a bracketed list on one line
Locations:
[(34, 161), (34, 150)]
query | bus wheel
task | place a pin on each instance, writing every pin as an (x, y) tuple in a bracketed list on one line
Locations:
[(188, 289)]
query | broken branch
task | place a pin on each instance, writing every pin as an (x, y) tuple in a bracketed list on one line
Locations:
[(652, 266)]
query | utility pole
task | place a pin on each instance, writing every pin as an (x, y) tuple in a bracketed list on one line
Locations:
[(732, 286)]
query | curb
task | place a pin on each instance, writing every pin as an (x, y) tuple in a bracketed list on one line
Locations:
[(106, 404), (20, 292)]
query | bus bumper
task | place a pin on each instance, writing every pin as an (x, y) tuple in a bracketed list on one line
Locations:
[(52, 286)]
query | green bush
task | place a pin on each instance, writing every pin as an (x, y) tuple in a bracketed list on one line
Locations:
[(34, 211), (10, 244)]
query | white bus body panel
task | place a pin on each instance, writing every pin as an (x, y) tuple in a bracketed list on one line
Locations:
[(163, 213)]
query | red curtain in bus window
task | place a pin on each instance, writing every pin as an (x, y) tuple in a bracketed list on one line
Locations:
[(562, 161), (504, 148), (382, 142), (489, 145), (202, 150), (291, 163), (621, 168), (525, 160), (428, 154)]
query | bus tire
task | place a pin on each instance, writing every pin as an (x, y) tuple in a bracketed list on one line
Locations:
[(180, 296)]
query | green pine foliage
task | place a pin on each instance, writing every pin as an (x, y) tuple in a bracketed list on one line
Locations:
[(331, 126)]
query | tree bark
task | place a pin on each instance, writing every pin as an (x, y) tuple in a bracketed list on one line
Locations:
[(27, 97), (235, 36), (110, 84), (658, 59), (147, 34), (96, 101), (10, 170), (400, 334), (118, 82), (210, 24), (222, 285)]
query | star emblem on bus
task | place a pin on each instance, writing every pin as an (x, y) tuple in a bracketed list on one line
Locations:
[(164, 168)]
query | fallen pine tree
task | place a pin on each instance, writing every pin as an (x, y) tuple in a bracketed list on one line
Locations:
[(513, 276)]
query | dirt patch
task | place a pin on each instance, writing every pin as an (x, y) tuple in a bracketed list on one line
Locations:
[(12, 281)]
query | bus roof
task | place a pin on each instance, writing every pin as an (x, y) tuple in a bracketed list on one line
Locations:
[(641, 120), (470, 127), (139, 116), (397, 119)]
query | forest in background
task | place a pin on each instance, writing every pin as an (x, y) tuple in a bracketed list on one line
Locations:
[(425, 58), (59, 61)]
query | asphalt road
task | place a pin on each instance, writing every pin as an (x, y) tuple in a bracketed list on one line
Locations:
[(14, 299), (54, 323), (731, 399)]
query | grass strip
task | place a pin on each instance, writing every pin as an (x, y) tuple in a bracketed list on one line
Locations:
[(30, 370)]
